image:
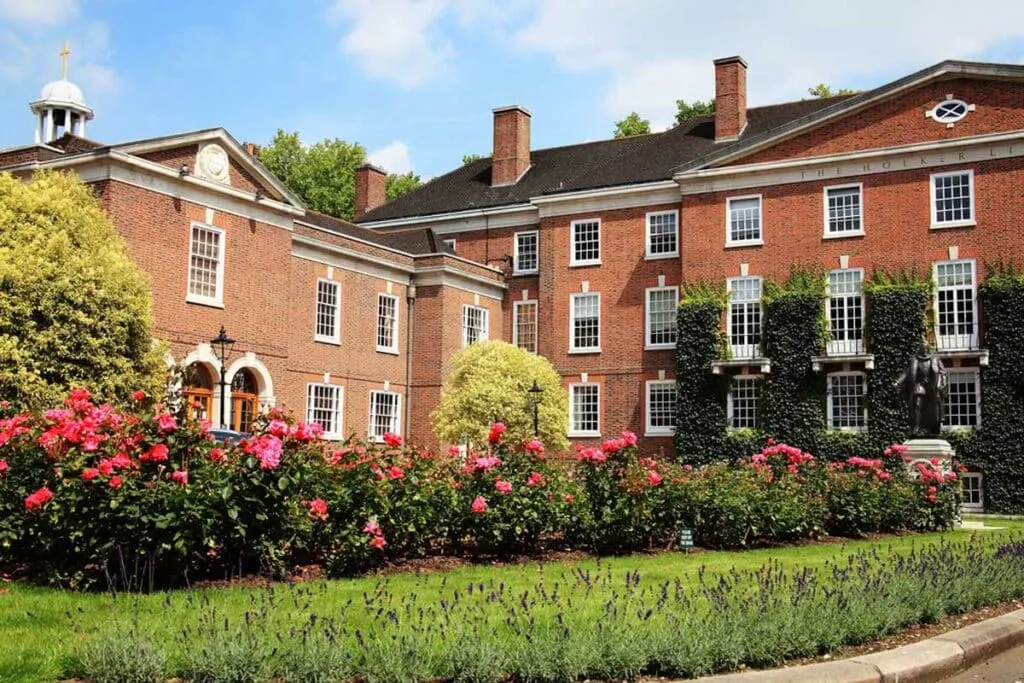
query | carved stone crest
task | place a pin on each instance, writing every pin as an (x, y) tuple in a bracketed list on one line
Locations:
[(212, 163)]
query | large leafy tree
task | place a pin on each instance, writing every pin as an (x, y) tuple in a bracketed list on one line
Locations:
[(687, 111), (470, 158), (489, 382), (75, 311), (825, 90), (632, 125), (323, 175)]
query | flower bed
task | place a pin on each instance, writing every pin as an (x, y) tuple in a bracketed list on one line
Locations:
[(93, 496)]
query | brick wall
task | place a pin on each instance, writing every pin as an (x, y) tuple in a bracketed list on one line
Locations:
[(241, 179)]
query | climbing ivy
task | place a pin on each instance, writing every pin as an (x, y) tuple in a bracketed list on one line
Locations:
[(701, 424), (995, 448)]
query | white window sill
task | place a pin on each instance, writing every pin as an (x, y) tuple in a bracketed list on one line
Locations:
[(517, 273), (203, 301), (328, 436), (955, 428), (582, 351), (658, 257), (327, 340), (658, 433), (953, 224), (660, 347), (849, 430), (390, 352), (748, 243), (584, 435), (842, 235), (584, 264)]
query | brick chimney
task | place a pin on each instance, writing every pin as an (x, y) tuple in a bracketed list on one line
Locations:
[(370, 184), (511, 155), (252, 149), (730, 98)]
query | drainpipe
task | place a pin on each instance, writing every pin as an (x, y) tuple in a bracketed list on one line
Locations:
[(410, 300)]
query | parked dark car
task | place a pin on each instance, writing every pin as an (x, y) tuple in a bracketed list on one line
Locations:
[(227, 436)]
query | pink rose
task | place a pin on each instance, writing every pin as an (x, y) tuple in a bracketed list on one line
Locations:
[(90, 473), (278, 428), (503, 487), (166, 422), (180, 477), (629, 437), (536, 479), (372, 528), (378, 542), (479, 505), (653, 478), (318, 509), (497, 429)]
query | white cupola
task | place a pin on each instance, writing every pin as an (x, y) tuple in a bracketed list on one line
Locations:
[(61, 107)]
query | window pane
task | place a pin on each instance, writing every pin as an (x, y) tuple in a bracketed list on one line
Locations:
[(745, 315), (585, 408), (526, 252), (952, 197), (204, 262), (846, 394), (663, 235), (956, 321), (474, 325), (327, 309), (661, 316), (323, 406), (743, 399), (845, 311), (961, 406), (844, 210), (661, 406), (586, 316), (744, 219), (525, 325), (586, 241), (383, 413)]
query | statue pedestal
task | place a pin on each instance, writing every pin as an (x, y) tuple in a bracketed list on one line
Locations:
[(923, 450)]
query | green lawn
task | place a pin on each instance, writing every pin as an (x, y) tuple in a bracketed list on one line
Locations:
[(40, 627)]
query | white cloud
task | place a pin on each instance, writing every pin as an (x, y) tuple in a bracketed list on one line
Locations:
[(393, 158), (657, 51), (46, 12)]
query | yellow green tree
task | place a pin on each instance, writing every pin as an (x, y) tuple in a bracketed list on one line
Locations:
[(75, 311), (488, 383)]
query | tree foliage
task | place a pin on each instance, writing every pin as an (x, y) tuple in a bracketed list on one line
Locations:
[(488, 383), (74, 309), (470, 158), (323, 174), (825, 90), (632, 125), (686, 111)]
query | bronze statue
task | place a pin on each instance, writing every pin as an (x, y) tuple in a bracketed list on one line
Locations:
[(924, 387)]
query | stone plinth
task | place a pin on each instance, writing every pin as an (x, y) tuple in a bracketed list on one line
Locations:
[(923, 450)]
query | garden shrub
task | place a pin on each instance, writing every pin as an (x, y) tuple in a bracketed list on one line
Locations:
[(95, 497)]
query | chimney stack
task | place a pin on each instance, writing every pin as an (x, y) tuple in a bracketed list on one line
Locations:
[(252, 149), (730, 98), (371, 182), (511, 156)]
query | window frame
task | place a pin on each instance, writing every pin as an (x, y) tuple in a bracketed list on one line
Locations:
[(941, 225), (336, 337), (648, 346), (836, 347), (730, 406), (744, 350), (338, 410), (649, 429), (516, 270), (572, 323), (217, 300), (980, 477), (976, 371), (576, 434), (573, 261), (396, 421), (759, 241), (650, 256), (485, 330), (393, 349), (829, 234), (450, 241), (516, 305), (829, 401), (975, 336)]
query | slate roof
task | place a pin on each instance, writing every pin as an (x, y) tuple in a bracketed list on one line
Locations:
[(415, 241), (608, 163)]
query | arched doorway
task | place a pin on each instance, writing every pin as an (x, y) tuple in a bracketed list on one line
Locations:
[(245, 400), (197, 390)]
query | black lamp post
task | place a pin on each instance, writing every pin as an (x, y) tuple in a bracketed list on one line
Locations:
[(225, 343), (535, 392)]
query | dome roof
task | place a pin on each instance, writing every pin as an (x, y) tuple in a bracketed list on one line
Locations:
[(62, 91)]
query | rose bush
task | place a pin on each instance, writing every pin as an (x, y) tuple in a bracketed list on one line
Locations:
[(94, 496)]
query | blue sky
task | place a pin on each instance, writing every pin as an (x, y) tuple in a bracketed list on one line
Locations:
[(414, 81)]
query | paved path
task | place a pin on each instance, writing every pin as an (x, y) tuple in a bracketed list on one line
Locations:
[(1005, 668)]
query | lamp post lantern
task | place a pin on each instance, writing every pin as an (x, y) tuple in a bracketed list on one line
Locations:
[(224, 342), (535, 392)]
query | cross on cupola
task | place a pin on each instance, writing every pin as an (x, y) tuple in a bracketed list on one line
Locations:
[(61, 107)]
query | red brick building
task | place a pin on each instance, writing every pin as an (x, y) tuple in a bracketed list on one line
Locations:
[(326, 315), (594, 239)]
